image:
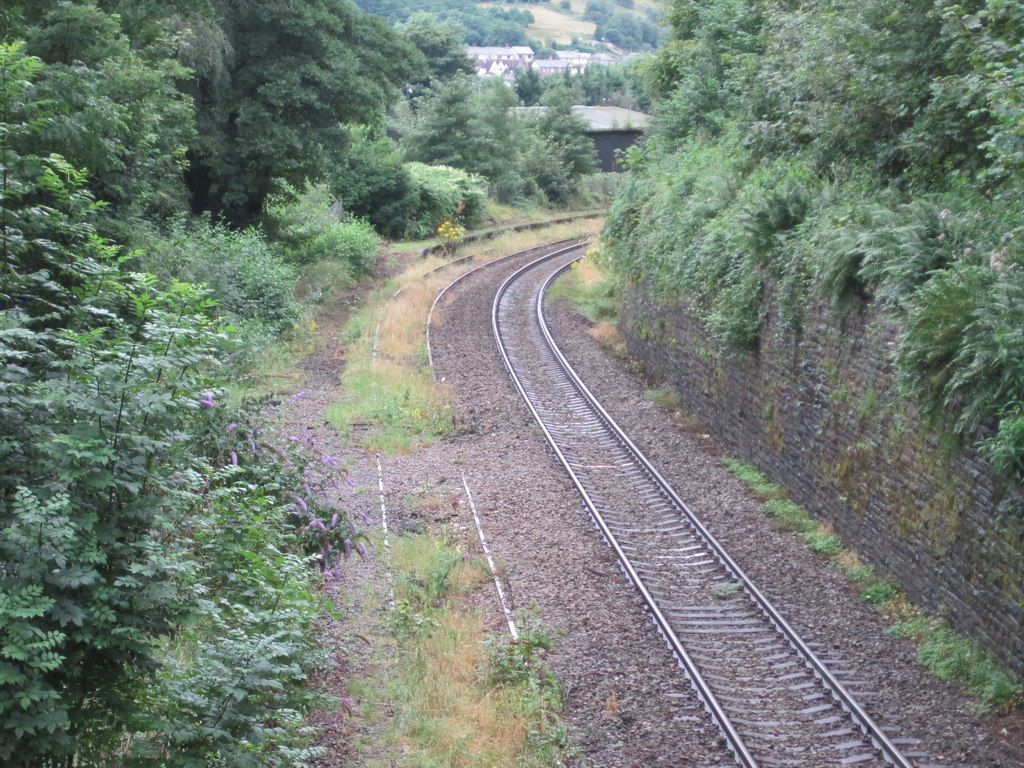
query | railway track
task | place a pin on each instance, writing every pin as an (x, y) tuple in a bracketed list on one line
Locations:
[(775, 701)]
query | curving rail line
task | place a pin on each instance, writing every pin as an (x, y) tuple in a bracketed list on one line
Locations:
[(558, 245), (775, 701)]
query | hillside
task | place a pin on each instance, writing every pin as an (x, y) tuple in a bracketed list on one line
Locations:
[(631, 25)]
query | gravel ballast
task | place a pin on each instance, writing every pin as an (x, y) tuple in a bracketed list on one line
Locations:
[(625, 698)]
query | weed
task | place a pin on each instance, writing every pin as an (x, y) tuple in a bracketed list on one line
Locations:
[(590, 290), (880, 592), (726, 590), (792, 516), (823, 540), (757, 483), (961, 661), (665, 396)]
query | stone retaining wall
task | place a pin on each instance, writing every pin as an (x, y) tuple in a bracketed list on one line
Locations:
[(818, 411)]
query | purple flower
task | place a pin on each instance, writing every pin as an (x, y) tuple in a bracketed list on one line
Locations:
[(234, 458), (230, 427), (346, 548), (352, 527), (334, 520), (207, 400), (301, 503), (253, 446), (296, 396), (362, 550), (330, 461), (363, 517), (305, 487), (318, 523)]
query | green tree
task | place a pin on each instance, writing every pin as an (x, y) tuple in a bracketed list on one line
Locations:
[(565, 132), (100, 372), (475, 130), (296, 75), (116, 112), (529, 87), (442, 45), (448, 129)]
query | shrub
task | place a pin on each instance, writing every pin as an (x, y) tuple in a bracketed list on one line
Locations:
[(444, 193), (307, 231), (249, 280), (373, 184)]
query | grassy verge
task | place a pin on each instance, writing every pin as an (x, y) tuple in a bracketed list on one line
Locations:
[(589, 288), (946, 654), (460, 698)]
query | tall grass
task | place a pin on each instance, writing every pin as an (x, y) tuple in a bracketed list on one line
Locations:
[(460, 702)]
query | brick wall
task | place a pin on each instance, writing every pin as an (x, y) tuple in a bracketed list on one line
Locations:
[(817, 409)]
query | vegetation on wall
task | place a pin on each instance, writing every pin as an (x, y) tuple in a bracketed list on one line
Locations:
[(854, 152)]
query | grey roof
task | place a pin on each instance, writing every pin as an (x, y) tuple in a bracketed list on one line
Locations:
[(613, 118), (600, 119), (499, 50)]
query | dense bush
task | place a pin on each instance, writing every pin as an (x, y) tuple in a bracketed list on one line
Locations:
[(850, 152), (155, 598), (441, 194), (251, 282), (307, 229), (372, 183)]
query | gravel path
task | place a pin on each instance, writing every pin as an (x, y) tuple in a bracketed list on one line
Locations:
[(624, 697)]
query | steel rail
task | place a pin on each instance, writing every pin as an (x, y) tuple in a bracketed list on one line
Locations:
[(818, 668), (702, 689), (437, 299)]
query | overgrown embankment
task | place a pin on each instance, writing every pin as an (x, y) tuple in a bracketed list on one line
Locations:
[(822, 250)]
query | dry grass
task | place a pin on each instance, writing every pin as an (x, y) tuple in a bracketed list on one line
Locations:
[(510, 242), (454, 716), (588, 273), (451, 710), (608, 336), (555, 25)]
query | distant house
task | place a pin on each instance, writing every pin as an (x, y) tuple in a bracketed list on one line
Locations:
[(556, 66), (577, 58), (500, 61), (610, 128)]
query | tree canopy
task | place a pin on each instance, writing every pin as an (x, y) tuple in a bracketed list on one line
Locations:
[(295, 75)]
